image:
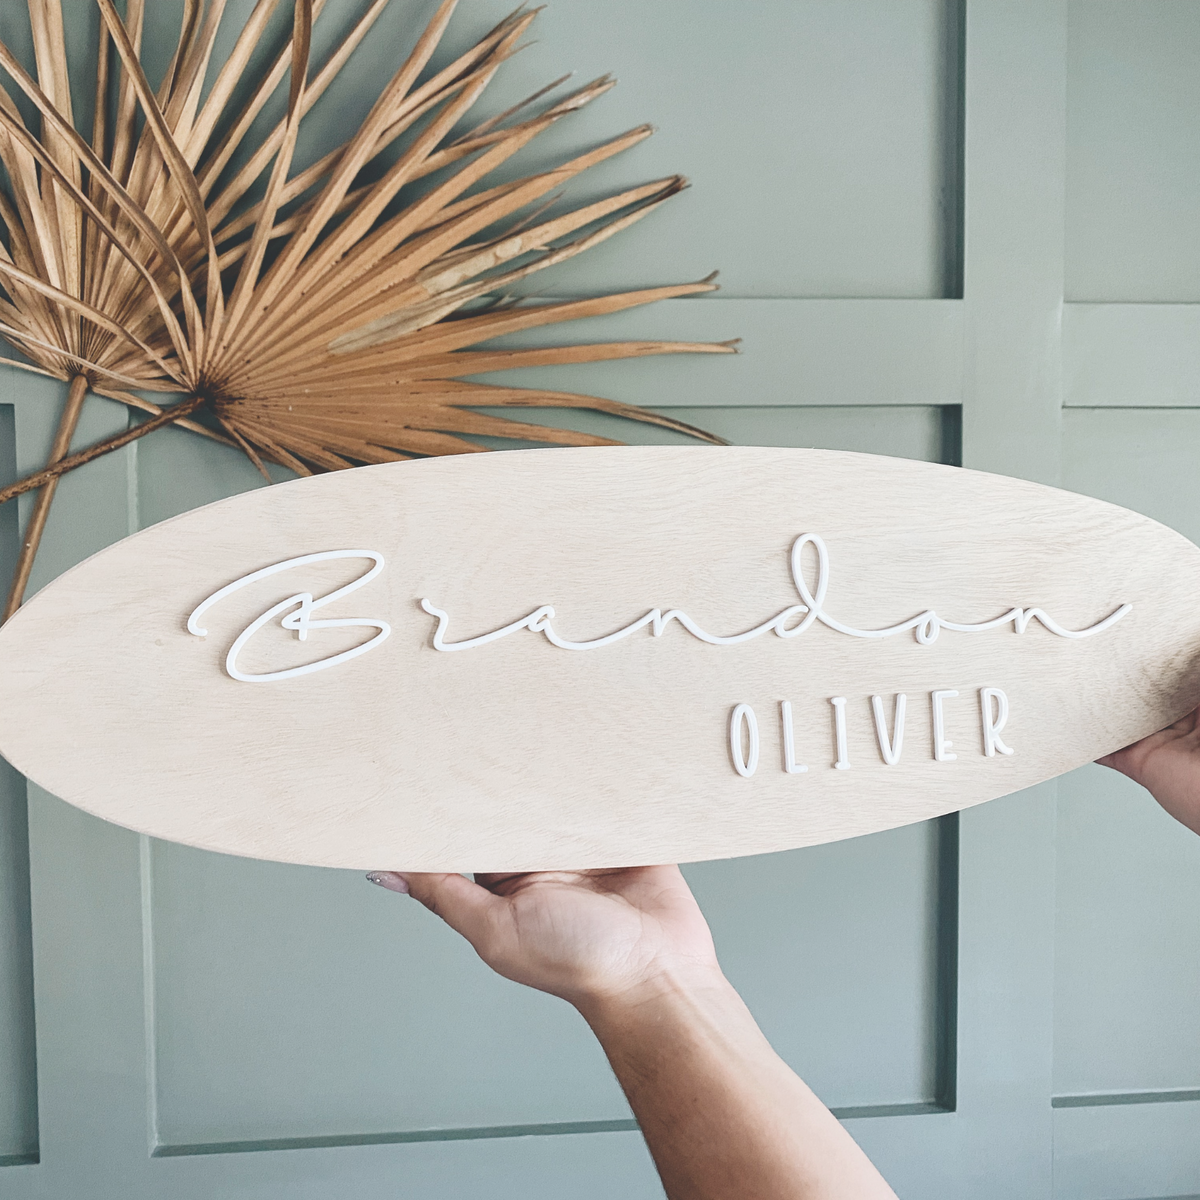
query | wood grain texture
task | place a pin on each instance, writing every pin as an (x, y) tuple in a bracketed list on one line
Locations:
[(518, 754)]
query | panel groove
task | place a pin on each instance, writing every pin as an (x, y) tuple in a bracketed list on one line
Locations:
[(1101, 1099), (876, 1111), (953, 144), (475, 1133), (946, 998), (485, 1132), (19, 1134), (146, 882)]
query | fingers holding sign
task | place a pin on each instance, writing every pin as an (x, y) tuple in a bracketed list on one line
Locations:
[(1167, 764)]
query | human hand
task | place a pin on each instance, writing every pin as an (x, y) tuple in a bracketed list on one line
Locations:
[(586, 936), (1167, 765)]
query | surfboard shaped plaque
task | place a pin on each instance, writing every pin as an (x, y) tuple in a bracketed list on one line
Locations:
[(596, 657)]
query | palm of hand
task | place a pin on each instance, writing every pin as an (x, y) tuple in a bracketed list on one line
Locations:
[(580, 934), (1167, 764)]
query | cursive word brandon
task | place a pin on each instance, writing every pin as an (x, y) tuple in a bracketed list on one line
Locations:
[(788, 623), (925, 625)]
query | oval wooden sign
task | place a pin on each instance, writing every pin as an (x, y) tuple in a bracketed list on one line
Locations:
[(596, 657)]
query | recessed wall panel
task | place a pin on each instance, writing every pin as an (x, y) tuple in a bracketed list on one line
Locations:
[(293, 1003), (1128, 887), (816, 135), (1127, 963), (834, 949), (1133, 150)]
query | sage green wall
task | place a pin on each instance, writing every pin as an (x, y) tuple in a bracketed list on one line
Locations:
[(899, 194)]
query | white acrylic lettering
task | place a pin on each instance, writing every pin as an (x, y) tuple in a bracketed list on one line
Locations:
[(301, 620), (992, 724), (790, 765), (890, 747), (925, 625), (839, 730), (941, 745), (745, 761)]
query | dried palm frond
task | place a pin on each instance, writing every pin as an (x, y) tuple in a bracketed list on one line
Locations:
[(323, 316)]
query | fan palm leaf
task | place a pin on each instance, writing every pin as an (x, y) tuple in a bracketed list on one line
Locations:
[(323, 316)]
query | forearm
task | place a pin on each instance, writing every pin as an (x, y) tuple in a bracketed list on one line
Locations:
[(723, 1115)]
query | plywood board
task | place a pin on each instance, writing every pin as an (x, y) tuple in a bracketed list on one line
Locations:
[(687, 628)]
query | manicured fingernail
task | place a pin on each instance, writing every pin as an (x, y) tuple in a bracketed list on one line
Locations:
[(389, 880)]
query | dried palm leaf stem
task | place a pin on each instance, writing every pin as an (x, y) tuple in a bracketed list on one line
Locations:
[(53, 470)]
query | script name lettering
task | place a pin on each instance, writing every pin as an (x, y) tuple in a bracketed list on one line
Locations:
[(296, 613)]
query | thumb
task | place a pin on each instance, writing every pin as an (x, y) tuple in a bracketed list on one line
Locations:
[(465, 906)]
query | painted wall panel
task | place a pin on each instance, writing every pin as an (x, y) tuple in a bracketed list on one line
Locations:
[(336, 1009), (815, 133), (836, 951), (1133, 150), (298, 1003), (826, 117), (1127, 963), (832, 352), (1128, 958), (295, 1002), (582, 1166)]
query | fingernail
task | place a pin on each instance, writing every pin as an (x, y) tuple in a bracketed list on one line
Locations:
[(390, 880)]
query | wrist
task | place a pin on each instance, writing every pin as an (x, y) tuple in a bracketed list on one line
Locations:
[(680, 984)]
